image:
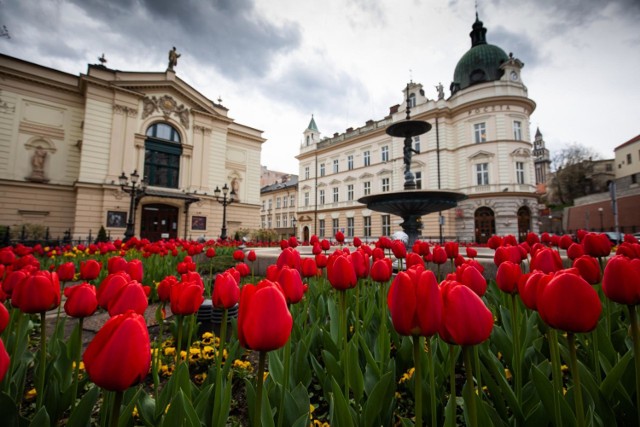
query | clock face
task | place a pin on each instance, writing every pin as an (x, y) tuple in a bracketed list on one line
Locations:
[(514, 76)]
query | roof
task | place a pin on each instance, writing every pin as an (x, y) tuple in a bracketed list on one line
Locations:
[(290, 183), (312, 125), (629, 142)]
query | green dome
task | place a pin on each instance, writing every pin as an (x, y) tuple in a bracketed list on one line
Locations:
[(479, 64)]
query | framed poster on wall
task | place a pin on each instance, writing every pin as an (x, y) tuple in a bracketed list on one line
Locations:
[(116, 219), (198, 222)]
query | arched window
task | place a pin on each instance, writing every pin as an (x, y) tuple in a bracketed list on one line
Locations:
[(412, 100), (162, 156)]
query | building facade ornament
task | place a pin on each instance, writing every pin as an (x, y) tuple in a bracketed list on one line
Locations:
[(123, 109), (167, 105)]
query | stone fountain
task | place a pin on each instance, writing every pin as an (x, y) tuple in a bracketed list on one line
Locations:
[(411, 203)]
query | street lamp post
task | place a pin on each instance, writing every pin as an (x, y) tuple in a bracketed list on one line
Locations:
[(294, 222), (224, 201), (600, 211), (136, 190)]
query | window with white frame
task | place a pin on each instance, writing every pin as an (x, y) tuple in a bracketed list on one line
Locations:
[(350, 192), (269, 221), (350, 227), (416, 143), (366, 188), (385, 153), (277, 220), (419, 180), (321, 228), (520, 172), (412, 100), (284, 220), (385, 185), (336, 225), (482, 174), (517, 130), (335, 166), (306, 198), (270, 203), (335, 194), (386, 225), (306, 172), (480, 132), (366, 158), (277, 202), (321, 197), (321, 169), (367, 226), (285, 199), (350, 161), (292, 200)]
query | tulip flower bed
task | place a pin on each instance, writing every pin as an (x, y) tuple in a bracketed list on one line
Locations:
[(332, 339)]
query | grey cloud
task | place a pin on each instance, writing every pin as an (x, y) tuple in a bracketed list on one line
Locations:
[(522, 47)]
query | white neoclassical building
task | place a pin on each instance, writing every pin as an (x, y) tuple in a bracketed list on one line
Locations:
[(65, 141), (479, 144)]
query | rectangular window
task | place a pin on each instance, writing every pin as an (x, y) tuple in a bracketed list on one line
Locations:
[(321, 169), (278, 221), (350, 227), (162, 164), (629, 158), (306, 172), (385, 153), (335, 166), (306, 198), (480, 132), (482, 173), (416, 143), (520, 172), (321, 229), (284, 220), (270, 204), (335, 194), (293, 200), (366, 188), (386, 225), (366, 158), (517, 131), (336, 225), (284, 201), (385, 184), (367, 226), (269, 221), (321, 197), (350, 192), (419, 180), (277, 202), (350, 161)]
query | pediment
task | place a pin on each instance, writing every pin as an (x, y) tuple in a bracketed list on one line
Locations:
[(334, 182), (384, 172), (521, 152), (481, 155), (349, 179), (365, 175)]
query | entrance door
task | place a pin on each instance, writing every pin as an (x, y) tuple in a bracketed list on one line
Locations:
[(485, 223), (305, 234), (524, 223), (159, 222)]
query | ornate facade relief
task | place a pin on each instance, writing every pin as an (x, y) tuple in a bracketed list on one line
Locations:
[(168, 106), (123, 109)]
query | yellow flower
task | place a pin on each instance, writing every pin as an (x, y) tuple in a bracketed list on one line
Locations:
[(167, 343), (564, 368), (135, 413), (166, 370), (264, 376), (31, 394), (169, 351), (208, 352), (73, 365), (199, 378), (183, 355), (507, 373), (311, 408), (407, 376), (398, 395)]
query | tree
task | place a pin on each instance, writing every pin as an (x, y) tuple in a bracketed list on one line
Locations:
[(572, 168)]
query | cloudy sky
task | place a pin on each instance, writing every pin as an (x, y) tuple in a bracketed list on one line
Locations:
[(274, 63)]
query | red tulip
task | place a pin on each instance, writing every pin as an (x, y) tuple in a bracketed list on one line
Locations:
[(596, 245), (321, 260), (309, 267), (110, 286), (272, 272), (293, 242), (251, 256), (630, 250), (547, 260), (289, 257), (4, 318), (341, 273), (357, 242), (528, 285), (361, 263), (569, 303), (465, 319), (532, 238), (4, 361), (414, 258), (37, 293), (164, 288), (510, 240), (439, 255), (115, 264), (243, 269), (507, 277), (264, 321), (210, 253), (119, 355), (589, 269), (471, 252), (339, 237), (90, 269), (226, 291), (621, 281), (291, 284), (194, 277), (472, 278), (131, 296), (7, 256), (399, 249), (238, 255), (325, 245), (507, 253), (381, 270), (186, 297), (575, 251), (81, 300), (494, 242), (13, 278), (565, 241), (415, 303), (452, 249), (135, 270), (187, 265), (66, 271), (316, 249)]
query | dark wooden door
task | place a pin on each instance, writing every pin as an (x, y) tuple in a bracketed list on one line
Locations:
[(485, 223), (524, 223), (159, 222)]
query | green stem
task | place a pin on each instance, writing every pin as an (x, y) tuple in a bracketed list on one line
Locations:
[(556, 372), (596, 359), (76, 373), (471, 403), (285, 380), (357, 308), (383, 334), (571, 338), (14, 344), (452, 382), (432, 384), (179, 319), (43, 359), (635, 334), (257, 421), (417, 379), (223, 341), (345, 347), (115, 409), (517, 363), (476, 362)]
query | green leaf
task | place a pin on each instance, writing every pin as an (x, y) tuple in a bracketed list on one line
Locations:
[(379, 398), (41, 419), (296, 404), (81, 415), (130, 398), (181, 413), (544, 387), (341, 414), (612, 379), (356, 380), (147, 409), (276, 368)]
